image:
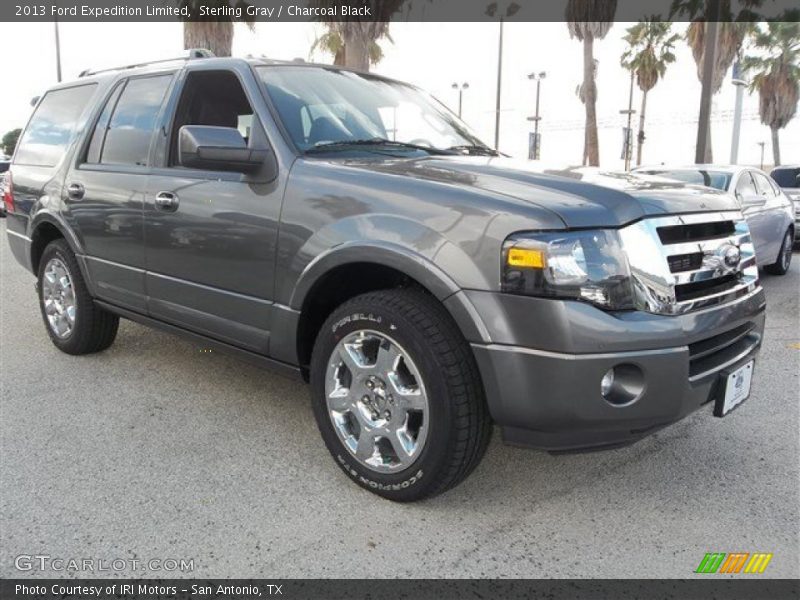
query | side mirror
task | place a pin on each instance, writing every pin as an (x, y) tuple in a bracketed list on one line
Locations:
[(217, 149)]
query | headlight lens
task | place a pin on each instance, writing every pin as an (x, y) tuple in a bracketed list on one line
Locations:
[(581, 265)]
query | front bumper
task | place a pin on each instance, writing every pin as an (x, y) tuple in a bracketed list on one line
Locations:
[(548, 396)]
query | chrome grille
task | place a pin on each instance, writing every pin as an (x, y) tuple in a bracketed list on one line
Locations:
[(687, 262)]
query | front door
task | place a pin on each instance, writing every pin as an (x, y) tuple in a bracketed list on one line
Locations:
[(773, 215), (210, 236), (753, 209)]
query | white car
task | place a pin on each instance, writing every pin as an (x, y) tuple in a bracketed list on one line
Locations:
[(768, 210), (788, 177)]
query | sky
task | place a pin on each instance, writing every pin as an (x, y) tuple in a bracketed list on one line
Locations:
[(434, 56)]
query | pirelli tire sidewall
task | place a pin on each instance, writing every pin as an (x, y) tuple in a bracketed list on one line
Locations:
[(424, 476)]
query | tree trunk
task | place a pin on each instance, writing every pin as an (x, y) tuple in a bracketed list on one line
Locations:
[(709, 157), (640, 137), (356, 47), (592, 145), (776, 148), (338, 58), (216, 36)]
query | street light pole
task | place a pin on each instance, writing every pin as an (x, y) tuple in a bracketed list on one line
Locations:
[(739, 83), (460, 88), (58, 53), (499, 86), (493, 11), (628, 138), (536, 118)]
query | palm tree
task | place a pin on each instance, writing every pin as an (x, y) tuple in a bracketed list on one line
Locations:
[(357, 36), (212, 34), (649, 52), (331, 42), (776, 76), (731, 32), (589, 20)]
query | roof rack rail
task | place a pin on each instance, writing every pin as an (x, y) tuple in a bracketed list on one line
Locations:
[(194, 53)]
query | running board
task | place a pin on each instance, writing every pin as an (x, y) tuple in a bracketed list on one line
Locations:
[(259, 360)]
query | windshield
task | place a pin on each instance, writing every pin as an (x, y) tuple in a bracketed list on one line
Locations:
[(322, 107), (715, 179)]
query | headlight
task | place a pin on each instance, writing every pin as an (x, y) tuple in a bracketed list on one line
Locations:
[(580, 265)]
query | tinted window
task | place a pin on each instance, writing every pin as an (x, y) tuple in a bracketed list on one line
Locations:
[(787, 178), (101, 128), (130, 130), (52, 126), (4, 166), (745, 186)]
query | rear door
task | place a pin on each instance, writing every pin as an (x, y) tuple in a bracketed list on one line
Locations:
[(210, 254), (105, 191)]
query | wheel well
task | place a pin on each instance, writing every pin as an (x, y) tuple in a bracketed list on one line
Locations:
[(42, 235), (336, 287)]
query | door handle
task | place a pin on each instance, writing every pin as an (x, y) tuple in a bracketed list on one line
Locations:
[(75, 191), (167, 201)]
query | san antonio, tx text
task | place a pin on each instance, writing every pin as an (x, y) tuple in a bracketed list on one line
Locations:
[(62, 590), (227, 11)]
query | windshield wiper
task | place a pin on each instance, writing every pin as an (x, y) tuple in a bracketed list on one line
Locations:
[(474, 149), (344, 144)]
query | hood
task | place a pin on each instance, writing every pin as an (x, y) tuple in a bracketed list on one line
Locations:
[(581, 197)]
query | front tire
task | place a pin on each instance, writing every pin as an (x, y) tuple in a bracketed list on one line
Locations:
[(397, 395), (784, 260), (73, 322)]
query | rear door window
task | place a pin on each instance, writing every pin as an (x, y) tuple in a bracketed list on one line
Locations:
[(53, 125), (101, 128), (133, 121), (764, 186)]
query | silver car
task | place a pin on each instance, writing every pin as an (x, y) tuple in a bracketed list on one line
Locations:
[(768, 210), (788, 178)]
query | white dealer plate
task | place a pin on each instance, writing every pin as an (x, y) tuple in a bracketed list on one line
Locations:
[(736, 389)]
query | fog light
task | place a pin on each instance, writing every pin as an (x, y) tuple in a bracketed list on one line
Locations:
[(607, 383), (622, 385)]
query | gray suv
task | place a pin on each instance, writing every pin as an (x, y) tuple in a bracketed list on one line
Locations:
[(347, 229)]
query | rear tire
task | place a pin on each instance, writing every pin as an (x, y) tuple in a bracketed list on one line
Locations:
[(784, 260), (73, 321), (442, 433)]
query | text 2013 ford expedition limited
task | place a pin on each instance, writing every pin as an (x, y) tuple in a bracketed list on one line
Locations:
[(348, 229)]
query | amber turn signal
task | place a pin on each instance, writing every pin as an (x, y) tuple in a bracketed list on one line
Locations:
[(525, 257)]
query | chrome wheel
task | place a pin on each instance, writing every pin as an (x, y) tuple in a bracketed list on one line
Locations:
[(58, 298), (377, 401)]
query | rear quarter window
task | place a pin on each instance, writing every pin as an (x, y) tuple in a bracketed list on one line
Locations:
[(53, 125)]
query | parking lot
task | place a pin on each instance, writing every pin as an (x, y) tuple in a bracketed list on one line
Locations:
[(158, 449)]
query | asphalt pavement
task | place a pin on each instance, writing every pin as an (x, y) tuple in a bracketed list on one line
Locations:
[(158, 449)]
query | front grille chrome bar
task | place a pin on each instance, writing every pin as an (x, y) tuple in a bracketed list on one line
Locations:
[(728, 265)]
